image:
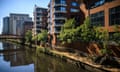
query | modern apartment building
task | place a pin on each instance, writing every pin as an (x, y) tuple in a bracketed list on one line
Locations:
[(16, 23), (5, 30), (104, 13), (58, 12), (27, 25), (40, 19)]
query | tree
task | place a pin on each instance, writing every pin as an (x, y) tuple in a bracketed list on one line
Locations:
[(87, 33), (68, 31), (28, 36), (42, 37)]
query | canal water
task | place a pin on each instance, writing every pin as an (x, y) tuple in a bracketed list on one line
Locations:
[(18, 58)]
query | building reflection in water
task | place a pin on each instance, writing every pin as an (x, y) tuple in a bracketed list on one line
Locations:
[(16, 58), (42, 62)]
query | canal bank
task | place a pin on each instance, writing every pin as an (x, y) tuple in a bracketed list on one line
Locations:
[(29, 60), (75, 58)]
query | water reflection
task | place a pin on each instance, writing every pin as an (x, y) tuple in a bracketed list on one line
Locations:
[(29, 60), (1, 46)]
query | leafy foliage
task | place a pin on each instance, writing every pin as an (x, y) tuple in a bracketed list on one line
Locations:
[(86, 32), (28, 36), (116, 35), (42, 36), (68, 31)]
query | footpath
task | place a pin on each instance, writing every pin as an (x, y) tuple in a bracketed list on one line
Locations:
[(81, 61)]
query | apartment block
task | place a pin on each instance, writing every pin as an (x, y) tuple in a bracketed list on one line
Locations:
[(5, 30), (16, 23), (27, 25), (40, 19), (59, 11), (104, 13)]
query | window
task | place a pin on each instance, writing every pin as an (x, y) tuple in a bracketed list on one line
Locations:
[(60, 1), (98, 3), (38, 18), (114, 16), (63, 9), (60, 8), (39, 14), (63, 2), (74, 4), (58, 28), (60, 15), (38, 9), (38, 26), (97, 19), (15, 17), (37, 22), (59, 21), (74, 10)]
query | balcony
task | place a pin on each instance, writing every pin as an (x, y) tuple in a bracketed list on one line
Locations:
[(58, 24), (38, 25), (59, 11), (60, 18), (59, 4)]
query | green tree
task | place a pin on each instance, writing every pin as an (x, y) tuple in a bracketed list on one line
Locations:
[(87, 33), (68, 31), (34, 38), (28, 36), (42, 37)]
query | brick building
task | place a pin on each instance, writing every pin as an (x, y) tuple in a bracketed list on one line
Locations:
[(28, 25), (104, 13), (58, 12), (40, 19)]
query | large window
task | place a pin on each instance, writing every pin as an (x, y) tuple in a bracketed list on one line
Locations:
[(60, 1), (60, 15), (74, 10), (39, 14), (60, 8), (74, 4), (38, 9), (63, 1), (57, 28), (97, 19), (59, 21), (114, 16), (99, 3)]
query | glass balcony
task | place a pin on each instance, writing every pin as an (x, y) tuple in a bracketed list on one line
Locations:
[(59, 4), (60, 18), (58, 24), (60, 11)]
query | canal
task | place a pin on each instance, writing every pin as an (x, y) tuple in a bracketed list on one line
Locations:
[(18, 58)]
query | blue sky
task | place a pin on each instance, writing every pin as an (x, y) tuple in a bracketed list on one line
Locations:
[(19, 6)]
